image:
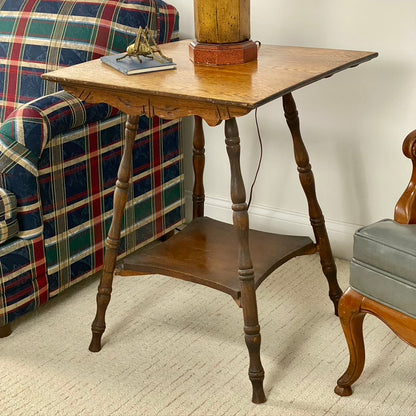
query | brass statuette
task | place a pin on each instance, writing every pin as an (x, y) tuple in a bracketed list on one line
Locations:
[(145, 45)]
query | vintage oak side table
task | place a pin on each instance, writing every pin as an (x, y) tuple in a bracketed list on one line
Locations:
[(207, 251)]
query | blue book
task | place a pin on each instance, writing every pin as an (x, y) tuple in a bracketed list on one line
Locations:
[(130, 65)]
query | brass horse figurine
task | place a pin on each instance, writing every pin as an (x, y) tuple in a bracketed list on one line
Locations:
[(145, 45)]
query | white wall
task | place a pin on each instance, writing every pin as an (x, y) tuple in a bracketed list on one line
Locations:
[(353, 124)]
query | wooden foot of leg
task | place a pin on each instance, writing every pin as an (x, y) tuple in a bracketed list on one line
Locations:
[(5, 330), (98, 325), (255, 372), (352, 317), (258, 393)]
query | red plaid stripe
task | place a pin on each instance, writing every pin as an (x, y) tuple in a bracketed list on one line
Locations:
[(60, 153)]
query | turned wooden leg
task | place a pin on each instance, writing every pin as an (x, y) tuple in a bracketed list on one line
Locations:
[(246, 271), (5, 330), (308, 184), (198, 195), (113, 239), (352, 317)]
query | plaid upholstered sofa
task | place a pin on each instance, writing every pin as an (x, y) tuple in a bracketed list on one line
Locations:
[(59, 156)]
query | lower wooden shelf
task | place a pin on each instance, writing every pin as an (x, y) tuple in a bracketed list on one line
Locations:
[(206, 252)]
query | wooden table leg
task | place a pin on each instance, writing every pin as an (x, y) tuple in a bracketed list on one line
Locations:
[(113, 239), (308, 184), (198, 195), (245, 270)]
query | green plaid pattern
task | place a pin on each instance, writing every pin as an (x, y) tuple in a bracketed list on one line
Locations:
[(40, 36), (59, 156)]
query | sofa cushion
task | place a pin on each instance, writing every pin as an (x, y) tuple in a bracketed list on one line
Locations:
[(8, 221), (40, 36), (383, 267)]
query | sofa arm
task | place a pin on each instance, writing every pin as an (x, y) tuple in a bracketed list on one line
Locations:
[(36, 122), (8, 217), (25, 134)]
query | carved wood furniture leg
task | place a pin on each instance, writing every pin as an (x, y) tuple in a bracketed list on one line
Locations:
[(352, 317), (352, 309), (308, 184), (113, 239), (198, 195), (5, 330), (246, 271)]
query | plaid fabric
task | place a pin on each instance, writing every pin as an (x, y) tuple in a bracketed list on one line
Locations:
[(77, 175), (23, 139), (8, 220), (23, 281), (59, 156), (40, 36)]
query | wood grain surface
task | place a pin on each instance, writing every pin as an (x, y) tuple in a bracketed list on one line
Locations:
[(211, 92), (222, 21)]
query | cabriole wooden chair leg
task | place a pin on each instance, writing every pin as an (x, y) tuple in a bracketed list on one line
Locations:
[(351, 317)]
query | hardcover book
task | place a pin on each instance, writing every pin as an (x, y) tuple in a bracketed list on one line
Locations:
[(130, 65)]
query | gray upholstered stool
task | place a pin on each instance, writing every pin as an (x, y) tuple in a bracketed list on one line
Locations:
[(383, 283)]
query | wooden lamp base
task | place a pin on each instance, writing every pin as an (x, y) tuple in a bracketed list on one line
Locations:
[(223, 53)]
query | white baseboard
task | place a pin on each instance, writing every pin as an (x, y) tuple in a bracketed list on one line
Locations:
[(283, 222)]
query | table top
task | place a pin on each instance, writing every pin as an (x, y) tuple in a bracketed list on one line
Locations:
[(215, 93)]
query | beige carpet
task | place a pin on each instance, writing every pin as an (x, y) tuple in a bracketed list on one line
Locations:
[(175, 348)]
